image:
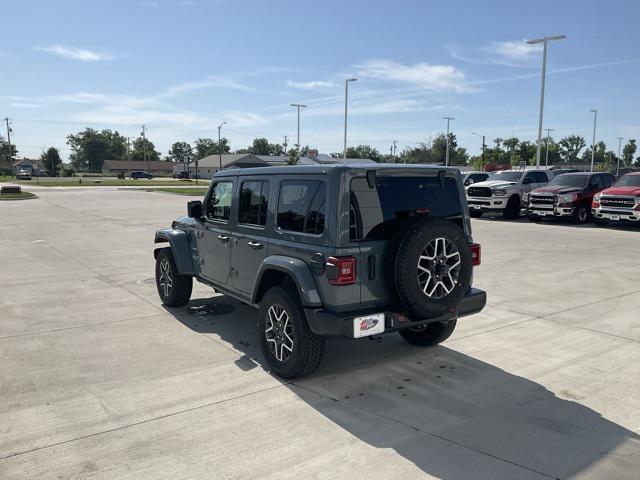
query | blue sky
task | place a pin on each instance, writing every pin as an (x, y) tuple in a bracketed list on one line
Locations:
[(183, 66)]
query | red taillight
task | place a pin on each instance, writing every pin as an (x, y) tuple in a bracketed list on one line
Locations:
[(475, 254), (341, 270)]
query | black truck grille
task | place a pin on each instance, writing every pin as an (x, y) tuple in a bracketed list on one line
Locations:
[(546, 200), (479, 192), (619, 202)]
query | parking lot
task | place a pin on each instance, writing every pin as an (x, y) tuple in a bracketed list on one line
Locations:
[(98, 380)]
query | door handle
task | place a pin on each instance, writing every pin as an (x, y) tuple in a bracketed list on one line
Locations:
[(223, 238), (255, 245)]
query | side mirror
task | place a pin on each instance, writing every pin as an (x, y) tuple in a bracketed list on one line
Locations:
[(194, 209)]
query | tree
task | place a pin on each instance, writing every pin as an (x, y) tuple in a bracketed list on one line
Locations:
[(261, 146), (143, 146), (600, 155), (364, 151), (181, 152), (570, 148), (51, 161), (435, 151), (90, 148), (6, 155), (207, 146), (294, 156), (628, 152)]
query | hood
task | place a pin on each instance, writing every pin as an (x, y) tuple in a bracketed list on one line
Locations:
[(557, 189), (492, 184), (628, 191)]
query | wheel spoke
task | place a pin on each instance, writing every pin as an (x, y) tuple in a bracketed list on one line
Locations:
[(438, 267)]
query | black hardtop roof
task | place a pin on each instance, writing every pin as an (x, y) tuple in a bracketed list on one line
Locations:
[(580, 174), (326, 169)]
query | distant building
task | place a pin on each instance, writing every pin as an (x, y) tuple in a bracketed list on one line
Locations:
[(114, 167), (35, 167)]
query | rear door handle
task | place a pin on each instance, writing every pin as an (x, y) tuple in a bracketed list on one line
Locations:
[(223, 238), (255, 245)]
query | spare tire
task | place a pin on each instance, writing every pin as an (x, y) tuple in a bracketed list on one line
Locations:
[(429, 267)]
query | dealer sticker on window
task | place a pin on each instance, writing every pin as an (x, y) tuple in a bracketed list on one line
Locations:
[(368, 325)]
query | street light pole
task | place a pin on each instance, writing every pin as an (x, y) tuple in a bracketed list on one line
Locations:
[(546, 157), (593, 143), (298, 106), (619, 148), (446, 156), (544, 41), (346, 101), (220, 144)]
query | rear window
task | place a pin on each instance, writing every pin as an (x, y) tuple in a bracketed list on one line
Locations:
[(301, 206), (376, 212)]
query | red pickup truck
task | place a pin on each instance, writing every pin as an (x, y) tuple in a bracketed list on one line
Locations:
[(621, 202)]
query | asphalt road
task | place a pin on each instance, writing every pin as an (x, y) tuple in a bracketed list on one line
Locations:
[(98, 380)]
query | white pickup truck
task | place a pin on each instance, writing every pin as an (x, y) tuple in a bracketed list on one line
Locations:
[(504, 191)]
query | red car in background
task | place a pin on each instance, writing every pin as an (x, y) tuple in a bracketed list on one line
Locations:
[(618, 203), (567, 196)]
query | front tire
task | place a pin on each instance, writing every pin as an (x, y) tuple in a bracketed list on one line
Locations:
[(174, 289), (582, 215), (291, 349), (430, 334), (512, 210)]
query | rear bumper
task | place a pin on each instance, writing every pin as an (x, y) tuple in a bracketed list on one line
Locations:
[(325, 323)]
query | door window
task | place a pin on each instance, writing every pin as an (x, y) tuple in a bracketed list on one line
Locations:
[(596, 183), (254, 199), (219, 204), (301, 206)]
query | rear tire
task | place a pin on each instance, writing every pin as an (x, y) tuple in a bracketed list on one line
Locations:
[(582, 215), (429, 335), (512, 210), (475, 213), (174, 289), (291, 349)]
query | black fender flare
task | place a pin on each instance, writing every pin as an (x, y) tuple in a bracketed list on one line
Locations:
[(178, 241), (298, 270)]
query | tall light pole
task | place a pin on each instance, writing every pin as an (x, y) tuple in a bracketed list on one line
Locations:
[(144, 147), (483, 145), (593, 142), (346, 101), (298, 106), (446, 156), (619, 148), (9, 130), (219, 144), (546, 157), (544, 41)]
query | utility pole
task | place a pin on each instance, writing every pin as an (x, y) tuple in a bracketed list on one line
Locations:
[(593, 143), (619, 149), (446, 156), (545, 41), (483, 146), (298, 106), (546, 159), (220, 143), (346, 102), (284, 144), (6, 119), (144, 148)]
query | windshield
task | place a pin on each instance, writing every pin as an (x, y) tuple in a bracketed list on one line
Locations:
[(628, 181), (568, 180), (506, 176)]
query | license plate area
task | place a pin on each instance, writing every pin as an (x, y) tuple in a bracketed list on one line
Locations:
[(541, 213), (368, 325), (614, 217)]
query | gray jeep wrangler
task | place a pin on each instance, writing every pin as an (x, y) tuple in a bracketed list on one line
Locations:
[(349, 251)]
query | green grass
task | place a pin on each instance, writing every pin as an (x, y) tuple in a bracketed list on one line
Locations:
[(99, 182), (17, 196), (195, 192)]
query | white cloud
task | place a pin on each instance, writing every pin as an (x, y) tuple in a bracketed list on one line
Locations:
[(244, 119), (213, 81), (74, 53), (427, 76), (118, 115), (517, 50), (25, 105), (311, 85), (151, 4), (514, 53)]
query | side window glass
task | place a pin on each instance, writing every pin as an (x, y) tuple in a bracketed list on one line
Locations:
[(596, 182), (219, 204), (608, 181), (254, 199), (301, 206), (541, 177), (529, 178)]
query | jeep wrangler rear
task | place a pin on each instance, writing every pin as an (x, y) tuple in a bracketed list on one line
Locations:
[(350, 251)]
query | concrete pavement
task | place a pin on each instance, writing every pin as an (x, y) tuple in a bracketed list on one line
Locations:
[(98, 380)]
